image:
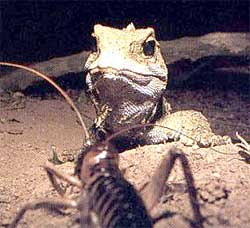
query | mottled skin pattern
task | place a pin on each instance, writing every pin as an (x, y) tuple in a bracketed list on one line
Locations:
[(192, 129), (127, 77)]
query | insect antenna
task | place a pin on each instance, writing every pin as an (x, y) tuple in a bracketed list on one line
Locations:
[(62, 92), (137, 126)]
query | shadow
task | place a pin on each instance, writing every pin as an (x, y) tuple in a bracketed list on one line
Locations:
[(32, 31), (43, 89), (215, 72), (192, 223), (54, 211), (195, 224), (245, 156), (164, 215)]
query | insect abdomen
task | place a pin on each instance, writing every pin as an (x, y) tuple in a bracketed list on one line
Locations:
[(116, 202)]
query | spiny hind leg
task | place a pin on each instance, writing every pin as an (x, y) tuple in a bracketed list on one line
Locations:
[(52, 172), (83, 205), (155, 188), (51, 205)]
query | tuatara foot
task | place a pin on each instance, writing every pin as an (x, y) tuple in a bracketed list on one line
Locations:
[(189, 127)]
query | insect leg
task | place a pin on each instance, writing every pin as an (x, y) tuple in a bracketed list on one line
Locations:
[(46, 204), (155, 188), (52, 172)]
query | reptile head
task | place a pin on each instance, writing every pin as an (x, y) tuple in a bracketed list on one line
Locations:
[(129, 52), (127, 75)]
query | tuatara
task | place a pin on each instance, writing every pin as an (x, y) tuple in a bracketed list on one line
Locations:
[(127, 78)]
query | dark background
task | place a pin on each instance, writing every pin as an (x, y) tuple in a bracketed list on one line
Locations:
[(33, 31)]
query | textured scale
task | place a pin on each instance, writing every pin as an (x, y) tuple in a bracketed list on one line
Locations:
[(192, 129), (123, 78)]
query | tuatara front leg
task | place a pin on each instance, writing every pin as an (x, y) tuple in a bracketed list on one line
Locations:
[(189, 127), (98, 128)]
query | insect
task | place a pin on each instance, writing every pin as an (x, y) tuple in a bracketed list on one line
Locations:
[(108, 195), (105, 191)]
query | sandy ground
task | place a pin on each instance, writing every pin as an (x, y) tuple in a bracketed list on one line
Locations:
[(29, 127)]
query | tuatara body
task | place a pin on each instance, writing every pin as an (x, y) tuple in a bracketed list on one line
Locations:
[(126, 79)]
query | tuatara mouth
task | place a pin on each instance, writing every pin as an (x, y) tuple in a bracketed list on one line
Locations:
[(140, 79)]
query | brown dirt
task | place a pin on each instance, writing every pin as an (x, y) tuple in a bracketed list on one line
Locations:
[(222, 179)]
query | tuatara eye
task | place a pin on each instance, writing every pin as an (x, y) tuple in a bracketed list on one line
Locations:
[(149, 48)]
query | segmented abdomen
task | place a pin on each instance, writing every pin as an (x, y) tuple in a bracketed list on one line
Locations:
[(115, 201)]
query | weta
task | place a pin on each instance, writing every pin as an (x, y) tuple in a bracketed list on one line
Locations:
[(107, 194), (103, 189)]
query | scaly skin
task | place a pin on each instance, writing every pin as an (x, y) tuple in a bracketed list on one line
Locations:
[(127, 78)]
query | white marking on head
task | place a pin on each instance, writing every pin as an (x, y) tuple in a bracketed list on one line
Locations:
[(101, 156)]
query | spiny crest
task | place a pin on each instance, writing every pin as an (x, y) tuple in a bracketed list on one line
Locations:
[(130, 27)]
